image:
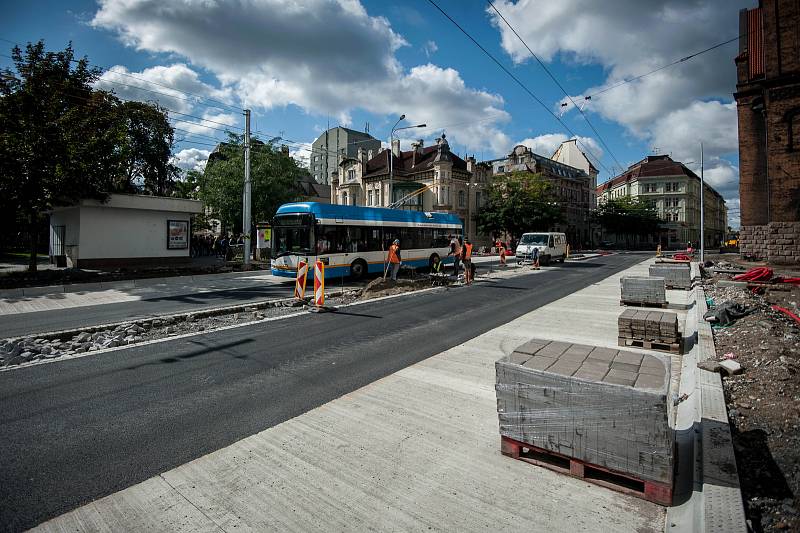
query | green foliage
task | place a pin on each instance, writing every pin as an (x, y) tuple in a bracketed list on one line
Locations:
[(146, 149), (55, 146), (273, 175), (62, 141), (519, 202), (628, 216)]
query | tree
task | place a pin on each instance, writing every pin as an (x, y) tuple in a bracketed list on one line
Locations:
[(59, 140), (628, 216), (147, 149), (274, 176), (519, 202)]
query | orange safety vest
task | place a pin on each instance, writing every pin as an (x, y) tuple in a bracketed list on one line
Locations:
[(393, 254), (468, 254)]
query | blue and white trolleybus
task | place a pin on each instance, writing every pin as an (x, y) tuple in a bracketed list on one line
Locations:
[(352, 240)]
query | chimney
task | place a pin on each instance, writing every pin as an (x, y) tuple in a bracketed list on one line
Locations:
[(369, 154), (285, 150), (361, 155), (416, 149), (471, 164), (396, 147)]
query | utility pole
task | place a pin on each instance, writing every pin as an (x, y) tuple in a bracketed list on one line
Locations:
[(246, 200), (702, 208)]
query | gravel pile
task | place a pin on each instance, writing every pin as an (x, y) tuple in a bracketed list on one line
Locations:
[(19, 351)]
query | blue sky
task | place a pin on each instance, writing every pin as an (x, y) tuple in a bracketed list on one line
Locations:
[(348, 62)]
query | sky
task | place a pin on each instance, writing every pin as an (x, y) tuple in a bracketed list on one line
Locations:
[(305, 64)]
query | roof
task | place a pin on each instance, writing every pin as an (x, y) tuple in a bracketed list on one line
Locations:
[(376, 214), (410, 163), (313, 188), (650, 167), (321, 137), (143, 202)]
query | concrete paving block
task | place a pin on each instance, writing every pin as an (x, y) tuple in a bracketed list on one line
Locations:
[(519, 358), (621, 377), (539, 362), (603, 354), (589, 410), (625, 367), (531, 347), (630, 358), (554, 349)]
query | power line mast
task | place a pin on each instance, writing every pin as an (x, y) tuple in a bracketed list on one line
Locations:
[(246, 200)]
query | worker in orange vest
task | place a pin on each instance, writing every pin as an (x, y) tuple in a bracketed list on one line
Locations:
[(501, 249), (467, 260), (394, 259)]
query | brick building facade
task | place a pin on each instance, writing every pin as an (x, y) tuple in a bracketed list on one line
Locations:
[(768, 106)]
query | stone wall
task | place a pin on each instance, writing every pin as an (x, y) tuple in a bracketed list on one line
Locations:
[(777, 242)]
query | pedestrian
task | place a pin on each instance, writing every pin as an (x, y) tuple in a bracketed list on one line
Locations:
[(394, 259), (467, 260), (455, 251), (535, 258)]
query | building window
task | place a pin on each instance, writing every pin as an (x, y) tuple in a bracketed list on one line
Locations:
[(478, 199), (344, 198), (652, 187), (351, 175), (462, 199), (369, 197)]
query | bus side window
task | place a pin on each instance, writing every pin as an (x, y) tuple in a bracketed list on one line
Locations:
[(551, 242)]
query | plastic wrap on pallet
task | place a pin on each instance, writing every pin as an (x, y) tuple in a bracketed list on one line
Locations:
[(676, 275), (638, 289), (579, 408)]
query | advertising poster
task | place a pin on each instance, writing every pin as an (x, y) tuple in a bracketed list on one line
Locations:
[(177, 234)]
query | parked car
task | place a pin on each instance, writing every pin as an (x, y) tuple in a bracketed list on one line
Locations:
[(552, 247)]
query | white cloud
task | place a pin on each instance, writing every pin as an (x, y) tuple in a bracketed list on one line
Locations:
[(191, 159), (430, 48), (153, 84), (315, 54), (547, 144), (672, 109)]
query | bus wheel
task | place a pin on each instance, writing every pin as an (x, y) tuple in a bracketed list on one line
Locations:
[(431, 259), (546, 260), (358, 269)]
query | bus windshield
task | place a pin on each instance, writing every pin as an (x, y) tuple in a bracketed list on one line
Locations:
[(530, 238), (291, 234)]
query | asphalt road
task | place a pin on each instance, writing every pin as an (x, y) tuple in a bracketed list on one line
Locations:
[(17, 325), (76, 430)]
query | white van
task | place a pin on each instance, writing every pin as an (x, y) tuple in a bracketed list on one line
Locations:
[(552, 247)]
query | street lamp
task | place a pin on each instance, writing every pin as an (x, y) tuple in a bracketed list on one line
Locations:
[(391, 151)]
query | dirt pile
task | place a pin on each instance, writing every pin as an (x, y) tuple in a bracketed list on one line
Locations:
[(386, 287), (764, 401)]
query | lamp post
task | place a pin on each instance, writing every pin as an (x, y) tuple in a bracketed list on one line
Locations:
[(391, 152), (702, 209)]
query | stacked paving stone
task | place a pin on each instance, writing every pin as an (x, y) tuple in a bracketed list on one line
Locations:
[(649, 325), (644, 290), (676, 275), (602, 406)]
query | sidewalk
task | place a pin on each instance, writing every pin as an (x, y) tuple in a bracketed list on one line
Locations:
[(415, 451)]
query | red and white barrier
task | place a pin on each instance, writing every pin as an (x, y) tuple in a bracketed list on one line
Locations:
[(300, 281), (319, 284)]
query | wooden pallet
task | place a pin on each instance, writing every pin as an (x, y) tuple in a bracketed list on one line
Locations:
[(644, 304), (660, 493), (677, 287), (669, 347)]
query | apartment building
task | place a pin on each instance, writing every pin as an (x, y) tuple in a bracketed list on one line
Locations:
[(674, 190), (335, 144)]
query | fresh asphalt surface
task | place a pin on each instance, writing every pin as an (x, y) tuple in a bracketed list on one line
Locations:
[(17, 325), (75, 430)]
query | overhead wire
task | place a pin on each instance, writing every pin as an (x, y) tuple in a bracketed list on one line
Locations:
[(518, 81), (552, 77), (662, 67)]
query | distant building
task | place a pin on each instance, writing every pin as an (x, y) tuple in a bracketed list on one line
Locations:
[(454, 185), (674, 190), (334, 145), (569, 154), (768, 106), (571, 187)]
